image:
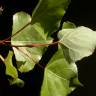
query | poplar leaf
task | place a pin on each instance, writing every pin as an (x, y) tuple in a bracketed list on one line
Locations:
[(10, 69), (32, 34), (49, 14), (57, 76), (77, 43)]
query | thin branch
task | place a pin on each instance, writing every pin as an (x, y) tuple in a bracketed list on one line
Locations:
[(34, 45), (29, 57), (25, 52), (3, 41), (2, 58), (29, 45), (20, 29)]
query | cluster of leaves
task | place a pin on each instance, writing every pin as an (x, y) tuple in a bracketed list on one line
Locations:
[(31, 37)]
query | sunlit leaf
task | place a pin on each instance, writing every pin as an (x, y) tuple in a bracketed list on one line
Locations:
[(29, 35), (77, 42), (43, 21), (49, 13), (10, 69), (57, 76)]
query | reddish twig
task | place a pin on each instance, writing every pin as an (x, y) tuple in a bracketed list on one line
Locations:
[(34, 45), (6, 39), (28, 45)]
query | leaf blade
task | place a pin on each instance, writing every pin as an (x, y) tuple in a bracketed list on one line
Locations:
[(10, 69), (32, 34), (57, 76), (49, 14), (79, 42)]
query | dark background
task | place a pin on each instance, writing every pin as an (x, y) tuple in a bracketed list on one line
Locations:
[(80, 12)]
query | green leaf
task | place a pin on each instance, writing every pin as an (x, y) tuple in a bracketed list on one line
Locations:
[(68, 25), (17, 81), (57, 76), (75, 82), (77, 43), (27, 36), (10, 69), (49, 14)]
